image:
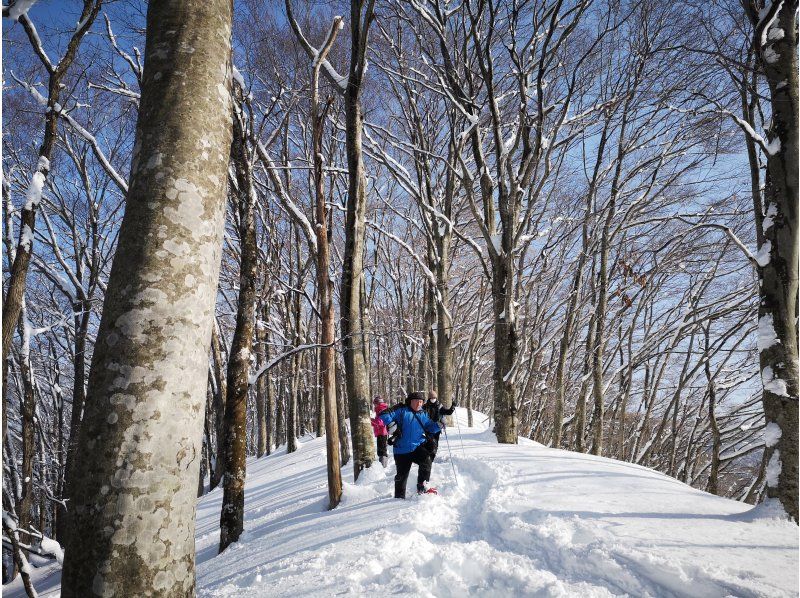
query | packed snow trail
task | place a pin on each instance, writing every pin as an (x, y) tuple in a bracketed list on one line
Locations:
[(523, 520)]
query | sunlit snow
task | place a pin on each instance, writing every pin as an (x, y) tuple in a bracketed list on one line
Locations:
[(521, 520)]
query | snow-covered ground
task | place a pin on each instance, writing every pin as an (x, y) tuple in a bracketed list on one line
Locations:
[(519, 520)]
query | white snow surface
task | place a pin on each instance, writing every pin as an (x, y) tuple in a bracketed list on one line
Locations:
[(509, 520)]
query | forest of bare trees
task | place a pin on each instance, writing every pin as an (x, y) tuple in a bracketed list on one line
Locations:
[(576, 216)]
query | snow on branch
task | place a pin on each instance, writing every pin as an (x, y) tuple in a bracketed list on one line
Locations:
[(18, 10), (425, 270), (120, 182), (771, 148), (283, 196), (766, 17), (36, 42), (136, 65), (753, 259), (339, 81), (276, 360)]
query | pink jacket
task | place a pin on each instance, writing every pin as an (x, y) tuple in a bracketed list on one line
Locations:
[(377, 425)]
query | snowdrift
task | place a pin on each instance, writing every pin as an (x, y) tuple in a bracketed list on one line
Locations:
[(520, 520)]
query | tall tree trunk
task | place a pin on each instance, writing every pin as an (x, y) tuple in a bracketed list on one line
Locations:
[(280, 414), (28, 416), (505, 347), (353, 259), (81, 321), (326, 370), (293, 396), (580, 407), (220, 392), (316, 395), (131, 529), (341, 408), (444, 328), (235, 453), (263, 414), (778, 270), (428, 363), (713, 476)]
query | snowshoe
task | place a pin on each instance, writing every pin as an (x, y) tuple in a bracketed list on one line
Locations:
[(424, 490)]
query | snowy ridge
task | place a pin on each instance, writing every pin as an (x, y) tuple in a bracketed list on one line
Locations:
[(520, 520)]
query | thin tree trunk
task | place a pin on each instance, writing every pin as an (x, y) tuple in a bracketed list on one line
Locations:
[(262, 400), (353, 260), (575, 292), (81, 321), (235, 452), (327, 353), (580, 407), (131, 529), (220, 392)]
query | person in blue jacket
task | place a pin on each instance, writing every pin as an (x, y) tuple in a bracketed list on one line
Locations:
[(413, 423)]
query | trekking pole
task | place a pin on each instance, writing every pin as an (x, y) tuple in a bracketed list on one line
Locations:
[(449, 452), (461, 437)]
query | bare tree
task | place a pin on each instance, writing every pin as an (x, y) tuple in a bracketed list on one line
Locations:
[(327, 357), (775, 41), (352, 306), (234, 443), (15, 289)]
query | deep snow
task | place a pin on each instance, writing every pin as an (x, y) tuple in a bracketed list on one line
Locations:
[(519, 520)]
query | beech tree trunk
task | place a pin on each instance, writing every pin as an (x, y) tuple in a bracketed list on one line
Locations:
[(263, 414), (327, 353), (220, 392), (356, 374), (506, 346), (131, 528), (775, 39), (235, 452)]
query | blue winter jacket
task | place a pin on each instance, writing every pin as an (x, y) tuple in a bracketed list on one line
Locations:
[(411, 432)]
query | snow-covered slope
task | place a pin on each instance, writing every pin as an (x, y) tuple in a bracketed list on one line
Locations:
[(508, 521)]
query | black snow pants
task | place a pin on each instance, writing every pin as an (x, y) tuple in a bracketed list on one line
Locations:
[(383, 450), (422, 458), (435, 445)]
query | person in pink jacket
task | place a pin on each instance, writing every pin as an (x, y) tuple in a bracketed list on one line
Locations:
[(379, 428)]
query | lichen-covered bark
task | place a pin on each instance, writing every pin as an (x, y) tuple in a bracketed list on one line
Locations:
[(131, 527)]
